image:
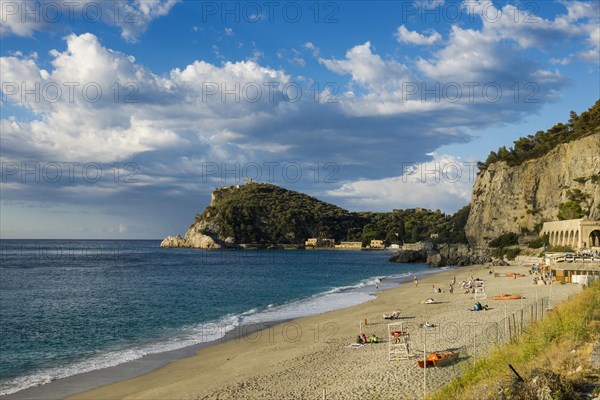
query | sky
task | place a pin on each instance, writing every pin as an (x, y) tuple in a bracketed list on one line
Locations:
[(118, 119)]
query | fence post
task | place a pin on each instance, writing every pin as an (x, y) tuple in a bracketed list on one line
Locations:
[(497, 334), (515, 326), (531, 309), (542, 308), (505, 321), (521, 333), (509, 330)]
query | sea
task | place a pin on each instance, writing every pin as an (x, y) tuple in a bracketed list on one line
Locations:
[(74, 306)]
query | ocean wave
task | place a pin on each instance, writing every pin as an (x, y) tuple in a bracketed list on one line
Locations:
[(329, 300)]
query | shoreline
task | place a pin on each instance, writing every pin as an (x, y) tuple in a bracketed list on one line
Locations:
[(70, 385), (251, 366), (306, 357)]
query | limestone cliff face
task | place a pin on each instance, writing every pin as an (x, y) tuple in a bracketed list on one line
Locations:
[(203, 233), (517, 198)]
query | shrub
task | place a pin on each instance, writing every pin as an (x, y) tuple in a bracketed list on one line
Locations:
[(537, 243), (561, 249), (570, 210), (512, 253), (506, 239), (509, 252)]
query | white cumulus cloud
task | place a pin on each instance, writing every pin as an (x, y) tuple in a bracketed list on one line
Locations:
[(403, 35), (445, 183)]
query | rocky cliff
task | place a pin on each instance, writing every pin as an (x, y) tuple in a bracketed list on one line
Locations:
[(259, 215), (455, 254), (519, 198)]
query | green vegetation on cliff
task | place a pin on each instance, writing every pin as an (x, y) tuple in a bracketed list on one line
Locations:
[(264, 213), (534, 146)]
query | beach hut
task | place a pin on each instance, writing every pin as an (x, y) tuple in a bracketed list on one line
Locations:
[(576, 273)]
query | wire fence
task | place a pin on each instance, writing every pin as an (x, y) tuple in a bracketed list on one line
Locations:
[(471, 339), (508, 329)]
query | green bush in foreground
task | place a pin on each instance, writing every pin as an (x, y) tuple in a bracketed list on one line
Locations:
[(571, 323)]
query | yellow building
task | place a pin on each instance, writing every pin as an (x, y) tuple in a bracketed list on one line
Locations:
[(318, 242), (349, 245), (377, 244), (312, 242)]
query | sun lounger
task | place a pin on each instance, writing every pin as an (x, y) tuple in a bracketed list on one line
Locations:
[(394, 315)]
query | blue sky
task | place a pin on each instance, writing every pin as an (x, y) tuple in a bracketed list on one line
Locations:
[(119, 118)]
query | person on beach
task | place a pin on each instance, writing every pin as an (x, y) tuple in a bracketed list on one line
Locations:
[(451, 288), (415, 280), (377, 283), (453, 280)]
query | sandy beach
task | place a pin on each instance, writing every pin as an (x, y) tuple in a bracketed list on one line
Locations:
[(309, 358)]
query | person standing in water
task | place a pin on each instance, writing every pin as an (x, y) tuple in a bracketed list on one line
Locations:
[(377, 283)]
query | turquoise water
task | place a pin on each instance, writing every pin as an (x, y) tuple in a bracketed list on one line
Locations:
[(73, 306)]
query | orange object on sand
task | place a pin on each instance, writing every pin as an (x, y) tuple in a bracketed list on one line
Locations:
[(438, 359), (510, 275), (507, 297)]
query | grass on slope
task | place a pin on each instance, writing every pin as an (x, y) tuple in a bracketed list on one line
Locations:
[(547, 357)]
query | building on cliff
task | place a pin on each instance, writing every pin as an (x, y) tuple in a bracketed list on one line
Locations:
[(319, 242), (349, 245), (576, 233), (377, 244)]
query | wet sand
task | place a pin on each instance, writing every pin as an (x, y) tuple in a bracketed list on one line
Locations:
[(308, 357)]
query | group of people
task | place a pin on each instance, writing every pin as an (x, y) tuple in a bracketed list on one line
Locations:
[(451, 285), (362, 339), (469, 286), (536, 279)]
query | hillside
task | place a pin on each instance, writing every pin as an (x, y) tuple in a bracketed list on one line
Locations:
[(540, 144), (265, 214), (562, 184), (554, 174)]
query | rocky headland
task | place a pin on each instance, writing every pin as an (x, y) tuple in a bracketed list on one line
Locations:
[(554, 174)]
